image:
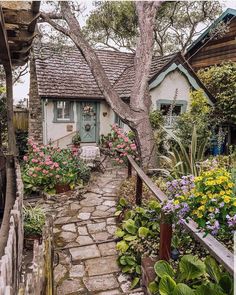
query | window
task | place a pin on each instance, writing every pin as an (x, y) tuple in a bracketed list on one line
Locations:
[(63, 111), (171, 112), (118, 121)]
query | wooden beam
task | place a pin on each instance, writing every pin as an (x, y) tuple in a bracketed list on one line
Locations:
[(22, 17), (4, 48)]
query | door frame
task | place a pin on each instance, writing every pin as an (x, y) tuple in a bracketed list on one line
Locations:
[(79, 117)]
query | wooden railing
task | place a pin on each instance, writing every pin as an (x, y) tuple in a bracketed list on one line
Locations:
[(58, 141), (215, 248)]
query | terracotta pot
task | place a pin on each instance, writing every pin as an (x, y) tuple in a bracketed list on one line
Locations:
[(62, 188), (29, 241)]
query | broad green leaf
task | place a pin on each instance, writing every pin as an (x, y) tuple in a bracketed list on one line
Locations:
[(191, 267), (123, 202), (129, 238), (163, 268), (182, 289), (226, 283), (143, 232), (209, 289), (138, 269), (122, 246), (166, 285), (130, 260), (122, 260), (117, 213), (129, 226), (153, 288), (212, 269), (127, 268), (119, 233), (134, 282)]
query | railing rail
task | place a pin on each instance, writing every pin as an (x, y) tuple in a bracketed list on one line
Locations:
[(215, 248), (57, 141)]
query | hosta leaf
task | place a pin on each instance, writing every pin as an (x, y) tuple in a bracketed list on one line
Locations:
[(134, 282), (130, 260), (209, 289), (143, 232), (123, 202), (117, 213), (127, 268), (167, 285), (163, 268), (212, 269), (182, 289), (138, 269), (191, 267), (226, 283), (122, 246), (153, 288)]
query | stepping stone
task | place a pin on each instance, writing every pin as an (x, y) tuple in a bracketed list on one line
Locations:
[(102, 208), (77, 271), (84, 252), (87, 210), (62, 220), (70, 286), (74, 206), (99, 213), (84, 240), (107, 249), (84, 216), (111, 220), (101, 283), (110, 292), (100, 237), (67, 236), (96, 227), (59, 272), (101, 266), (109, 203), (82, 230), (69, 227), (88, 202)]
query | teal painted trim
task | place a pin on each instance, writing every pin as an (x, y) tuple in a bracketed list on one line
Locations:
[(79, 117), (97, 122), (182, 103), (214, 24), (162, 76), (55, 120), (183, 70)]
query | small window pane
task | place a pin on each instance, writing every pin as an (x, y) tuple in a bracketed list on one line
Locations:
[(59, 114), (66, 110), (165, 108)]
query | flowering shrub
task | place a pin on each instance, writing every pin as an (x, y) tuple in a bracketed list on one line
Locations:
[(46, 166), (209, 200), (119, 145)]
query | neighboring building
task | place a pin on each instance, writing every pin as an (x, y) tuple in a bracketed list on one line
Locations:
[(65, 98), (212, 47)]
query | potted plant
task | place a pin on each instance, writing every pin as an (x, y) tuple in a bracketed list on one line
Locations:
[(34, 220), (76, 140)]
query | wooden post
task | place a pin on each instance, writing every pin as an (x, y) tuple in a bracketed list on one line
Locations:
[(139, 190), (165, 238), (129, 169)]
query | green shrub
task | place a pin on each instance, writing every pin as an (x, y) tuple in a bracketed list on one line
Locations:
[(34, 220)]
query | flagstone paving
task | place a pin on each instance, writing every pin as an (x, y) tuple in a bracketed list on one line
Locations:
[(85, 248)]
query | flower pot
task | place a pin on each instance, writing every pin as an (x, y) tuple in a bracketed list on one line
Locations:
[(62, 188), (29, 241)]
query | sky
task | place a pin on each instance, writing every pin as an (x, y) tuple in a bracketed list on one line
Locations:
[(21, 90)]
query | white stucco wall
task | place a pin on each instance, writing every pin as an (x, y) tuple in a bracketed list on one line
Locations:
[(167, 88)]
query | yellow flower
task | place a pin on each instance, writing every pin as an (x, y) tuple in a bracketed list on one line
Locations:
[(201, 208), (234, 203), (222, 193), (199, 215), (176, 202), (230, 184), (227, 199)]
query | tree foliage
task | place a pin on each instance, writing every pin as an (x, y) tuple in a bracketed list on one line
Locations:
[(220, 80), (198, 116), (114, 24)]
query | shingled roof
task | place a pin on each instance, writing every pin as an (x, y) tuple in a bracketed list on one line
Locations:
[(67, 75)]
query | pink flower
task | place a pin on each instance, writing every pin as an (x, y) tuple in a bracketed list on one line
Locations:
[(34, 175), (45, 171), (41, 154), (110, 144), (117, 159), (25, 158), (127, 148), (126, 139), (56, 165), (133, 146), (125, 154), (121, 161), (57, 176), (34, 161)]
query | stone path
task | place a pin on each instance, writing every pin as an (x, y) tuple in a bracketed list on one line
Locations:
[(85, 248)]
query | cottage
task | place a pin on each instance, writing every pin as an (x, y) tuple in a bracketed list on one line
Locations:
[(65, 98)]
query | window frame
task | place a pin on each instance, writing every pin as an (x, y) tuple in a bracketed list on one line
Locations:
[(71, 112)]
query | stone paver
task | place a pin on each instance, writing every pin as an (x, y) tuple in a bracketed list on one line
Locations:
[(84, 227)]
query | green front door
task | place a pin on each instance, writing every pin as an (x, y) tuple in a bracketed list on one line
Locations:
[(88, 121)]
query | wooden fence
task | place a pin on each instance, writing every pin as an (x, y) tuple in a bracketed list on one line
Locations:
[(21, 119), (215, 248), (2, 181), (10, 262), (40, 281)]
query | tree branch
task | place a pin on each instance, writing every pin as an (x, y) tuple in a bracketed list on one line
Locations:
[(47, 19)]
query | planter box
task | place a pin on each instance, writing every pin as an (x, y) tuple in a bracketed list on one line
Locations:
[(148, 273)]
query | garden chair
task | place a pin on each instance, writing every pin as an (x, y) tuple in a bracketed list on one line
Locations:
[(92, 157)]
